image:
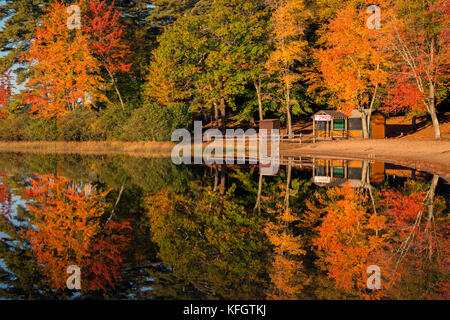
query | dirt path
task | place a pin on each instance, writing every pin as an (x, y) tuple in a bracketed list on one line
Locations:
[(432, 156)]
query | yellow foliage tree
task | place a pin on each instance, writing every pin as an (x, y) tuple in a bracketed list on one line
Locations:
[(289, 47)]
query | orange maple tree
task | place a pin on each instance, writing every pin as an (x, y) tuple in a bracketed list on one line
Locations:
[(352, 65), (69, 231), (66, 64), (64, 72)]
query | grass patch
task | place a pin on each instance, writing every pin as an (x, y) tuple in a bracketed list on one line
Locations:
[(140, 149)]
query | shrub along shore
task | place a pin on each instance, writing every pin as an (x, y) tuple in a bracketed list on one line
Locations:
[(147, 123)]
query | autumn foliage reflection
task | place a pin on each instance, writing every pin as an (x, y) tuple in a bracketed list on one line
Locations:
[(70, 231), (420, 237), (404, 235), (347, 236), (286, 272)]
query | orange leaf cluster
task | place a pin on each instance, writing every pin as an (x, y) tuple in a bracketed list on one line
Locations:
[(347, 238), (66, 64), (351, 63), (287, 277), (69, 232)]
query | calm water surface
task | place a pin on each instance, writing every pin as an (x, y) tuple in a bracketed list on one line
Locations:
[(147, 229)]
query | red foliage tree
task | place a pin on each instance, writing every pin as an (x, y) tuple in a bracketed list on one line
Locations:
[(417, 37), (106, 40)]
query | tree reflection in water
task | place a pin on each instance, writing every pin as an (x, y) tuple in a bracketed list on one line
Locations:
[(197, 232), (69, 231), (5, 196)]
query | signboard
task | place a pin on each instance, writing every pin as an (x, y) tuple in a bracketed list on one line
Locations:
[(322, 117), (319, 179)]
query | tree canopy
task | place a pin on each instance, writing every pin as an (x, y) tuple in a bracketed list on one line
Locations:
[(218, 61)]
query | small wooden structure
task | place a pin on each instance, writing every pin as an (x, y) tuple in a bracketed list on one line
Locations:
[(269, 124), (327, 173), (329, 124), (377, 125)]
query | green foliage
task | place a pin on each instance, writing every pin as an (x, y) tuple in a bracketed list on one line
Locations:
[(110, 122), (41, 130), (78, 126), (209, 56), (210, 241), (154, 122), (13, 127), (21, 17), (167, 11)]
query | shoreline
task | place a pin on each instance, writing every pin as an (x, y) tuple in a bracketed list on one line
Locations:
[(136, 149), (432, 156), (426, 155)]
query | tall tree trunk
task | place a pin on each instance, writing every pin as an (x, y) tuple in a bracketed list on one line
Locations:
[(258, 198), (223, 179), (288, 183), (216, 114), (431, 195), (372, 102), (117, 89), (432, 100), (288, 111), (365, 182), (430, 207), (117, 202), (216, 177), (365, 117), (434, 119), (432, 111), (223, 115), (259, 93)]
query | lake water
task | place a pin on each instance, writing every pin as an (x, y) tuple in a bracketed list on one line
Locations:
[(139, 228)]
